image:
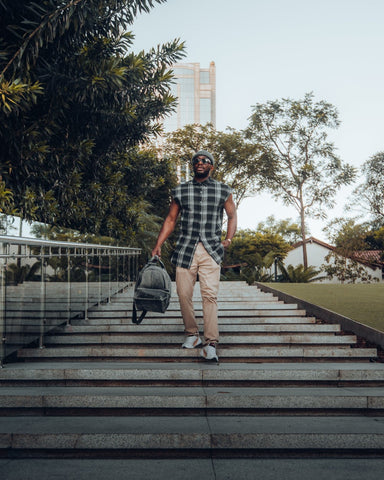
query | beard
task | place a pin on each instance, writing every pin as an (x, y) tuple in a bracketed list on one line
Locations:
[(204, 174)]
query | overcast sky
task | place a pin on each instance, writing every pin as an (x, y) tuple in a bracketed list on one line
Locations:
[(270, 49)]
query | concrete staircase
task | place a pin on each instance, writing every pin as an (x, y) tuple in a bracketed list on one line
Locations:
[(286, 386)]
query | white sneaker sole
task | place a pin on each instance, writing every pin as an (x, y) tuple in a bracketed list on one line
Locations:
[(203, 354), (196, 344)]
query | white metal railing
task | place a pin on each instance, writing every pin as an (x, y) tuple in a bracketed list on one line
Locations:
[(46, 283)]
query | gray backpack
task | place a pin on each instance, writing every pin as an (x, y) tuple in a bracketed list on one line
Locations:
[(153, 290)]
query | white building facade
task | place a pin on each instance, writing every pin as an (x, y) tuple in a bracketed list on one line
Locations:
[(317, 252)]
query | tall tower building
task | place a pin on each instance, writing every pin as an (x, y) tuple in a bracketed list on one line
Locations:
[(195, 89)]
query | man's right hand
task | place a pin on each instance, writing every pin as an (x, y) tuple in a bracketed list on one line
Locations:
[(156, 251)]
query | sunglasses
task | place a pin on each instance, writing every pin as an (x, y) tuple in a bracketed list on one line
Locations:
[(202, 160)]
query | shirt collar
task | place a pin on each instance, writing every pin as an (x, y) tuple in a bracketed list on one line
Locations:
[(205, 183)]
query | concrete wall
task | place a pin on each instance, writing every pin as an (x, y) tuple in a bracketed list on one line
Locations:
[(316, 257)]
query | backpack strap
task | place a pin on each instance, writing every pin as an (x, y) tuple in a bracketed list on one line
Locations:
[(136, 320), (155, 259)]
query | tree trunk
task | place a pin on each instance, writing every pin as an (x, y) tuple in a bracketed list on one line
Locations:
[(303, 237)]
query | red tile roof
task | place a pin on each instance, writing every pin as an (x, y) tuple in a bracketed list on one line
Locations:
[(369, 256)]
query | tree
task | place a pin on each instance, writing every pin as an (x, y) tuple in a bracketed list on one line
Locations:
[(350, 239), (257, 268), (75, 103), (234, 156), (346, 270), (347, 235), (286, 228), (369, 194), (298, 274), (298, 164), (251, 255), (248, 243)]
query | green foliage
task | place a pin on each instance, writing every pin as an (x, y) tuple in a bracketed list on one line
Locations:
[(347, 235), (286, 228), (75, 103), (346, 270), (298, 274), (375, 239), (16, 274), (369, 194), (247, 243), (6, 198), (350, 238), (253, 254), (257, 268), (234, 156), (298, 165)]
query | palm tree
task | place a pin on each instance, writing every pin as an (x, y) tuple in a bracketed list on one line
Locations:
[(298, 274), (258, 268)]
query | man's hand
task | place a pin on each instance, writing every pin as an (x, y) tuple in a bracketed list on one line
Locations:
[(156, 251)]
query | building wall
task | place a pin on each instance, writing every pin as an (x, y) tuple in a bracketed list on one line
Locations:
[(195, 89), (316, 257)]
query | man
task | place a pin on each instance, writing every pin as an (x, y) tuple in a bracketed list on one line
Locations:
[(199, 250)]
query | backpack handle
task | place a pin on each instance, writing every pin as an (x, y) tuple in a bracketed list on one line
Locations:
[(155, 259), (136, 320)]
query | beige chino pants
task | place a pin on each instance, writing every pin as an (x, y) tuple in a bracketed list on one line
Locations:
[(209, 279)]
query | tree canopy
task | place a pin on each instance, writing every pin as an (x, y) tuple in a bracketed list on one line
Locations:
[(75, 104), (253, 254), (290, 231), (369, 194), (248, 242), (298, 165), (234, 156)]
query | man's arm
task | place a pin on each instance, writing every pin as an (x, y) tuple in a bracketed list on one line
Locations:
[(230, 210), (167, 228)]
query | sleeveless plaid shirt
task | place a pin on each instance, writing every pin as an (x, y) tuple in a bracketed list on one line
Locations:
[(201, 209)]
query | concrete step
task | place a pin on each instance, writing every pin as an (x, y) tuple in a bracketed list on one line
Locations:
[(225, 328), (189, 436), (163, 319), (286, 385), (191, 400), (345, 468), (356, 373), (148, 353), (225, 339), (100, 373), (33, 307), (250, 309)]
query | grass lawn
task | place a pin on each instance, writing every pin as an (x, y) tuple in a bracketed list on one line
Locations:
[(360, 302)]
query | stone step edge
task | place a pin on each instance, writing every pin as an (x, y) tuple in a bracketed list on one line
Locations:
[(183, 372), (212, 432), (165, 398), (177, 352)]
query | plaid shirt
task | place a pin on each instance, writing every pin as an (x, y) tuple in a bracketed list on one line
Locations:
[(202, 205)]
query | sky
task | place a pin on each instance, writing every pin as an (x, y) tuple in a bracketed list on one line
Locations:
[(272, 49)]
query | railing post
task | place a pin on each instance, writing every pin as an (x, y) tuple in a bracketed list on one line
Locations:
[(86, 286), (42, 298), (100, 288), (3, 296), (68, 287), (109, 276)]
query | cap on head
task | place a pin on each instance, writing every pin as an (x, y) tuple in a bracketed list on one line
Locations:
[(205, 154)]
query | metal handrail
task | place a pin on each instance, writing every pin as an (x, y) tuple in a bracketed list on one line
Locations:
[(53, 243), (120, 261)]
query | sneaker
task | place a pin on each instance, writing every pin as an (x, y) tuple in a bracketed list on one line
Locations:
[(192, 341), (209, 352)]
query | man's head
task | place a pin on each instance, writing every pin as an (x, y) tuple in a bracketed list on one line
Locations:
[(202, 163)]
